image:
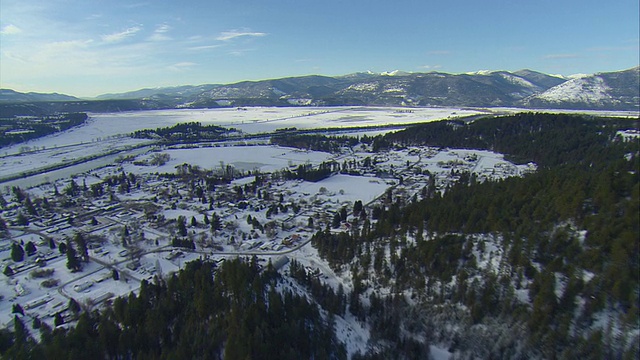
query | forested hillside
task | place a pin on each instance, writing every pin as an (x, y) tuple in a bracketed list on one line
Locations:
[(537, 267), (234, 312), (541, 266)]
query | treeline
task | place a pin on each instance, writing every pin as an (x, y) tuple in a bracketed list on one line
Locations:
[(184, 132), (233, 312), (330, 144), (546, 139), (308, 173), (20, 130)]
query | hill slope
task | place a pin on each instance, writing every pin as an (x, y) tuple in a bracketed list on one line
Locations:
[(614, 90), (8, 95)]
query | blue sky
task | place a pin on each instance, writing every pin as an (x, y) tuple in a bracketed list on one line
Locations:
[(86, 48)]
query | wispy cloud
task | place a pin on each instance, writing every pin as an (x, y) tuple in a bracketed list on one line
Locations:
[(163, 28), (203, 47), (561, 56), (232, 34), (181, 66), (119, 36), (160, 32), (429, 67), (240, 52), (10, 30)]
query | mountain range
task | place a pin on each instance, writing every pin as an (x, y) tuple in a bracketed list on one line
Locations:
[(524, 88)]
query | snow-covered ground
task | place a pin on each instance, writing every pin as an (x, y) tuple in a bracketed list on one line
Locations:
[(103, 133), (43, 158), (317, 200), (591, 90), (244, 158), (259, 119), (342, 189)]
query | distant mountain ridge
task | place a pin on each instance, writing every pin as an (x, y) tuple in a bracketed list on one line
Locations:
[(8, 95), (613, 90), (524, 88)]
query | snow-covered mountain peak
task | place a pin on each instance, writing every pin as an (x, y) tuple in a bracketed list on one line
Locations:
[(591, 90), (395, 73), (480, 72), (518, 80)]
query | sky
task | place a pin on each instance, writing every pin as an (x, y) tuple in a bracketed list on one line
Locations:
[(91, 47)]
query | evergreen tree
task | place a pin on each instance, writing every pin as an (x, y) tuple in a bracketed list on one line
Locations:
[(343, 214), (357, 207), (17, 252), (17, 309), (336, 221), (58, 319), (18, 194), (74, 307), (30, 248), (216, 223), (31, 210), (73, 262), (182, 227), (8, 271), (21, 219), (80, 241)]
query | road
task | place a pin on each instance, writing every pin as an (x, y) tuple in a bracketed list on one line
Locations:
[(128, 275)]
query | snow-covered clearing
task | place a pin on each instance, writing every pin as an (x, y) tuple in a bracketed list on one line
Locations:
[(343, 188), (258, 119), (244, 158), (19, 163)]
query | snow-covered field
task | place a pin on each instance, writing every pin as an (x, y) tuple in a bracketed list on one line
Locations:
[(42, 158), (244, 158), (259, 120), (104, 133), (344, 188)]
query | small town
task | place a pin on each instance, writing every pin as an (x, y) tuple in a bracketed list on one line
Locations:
[(78, 243)]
